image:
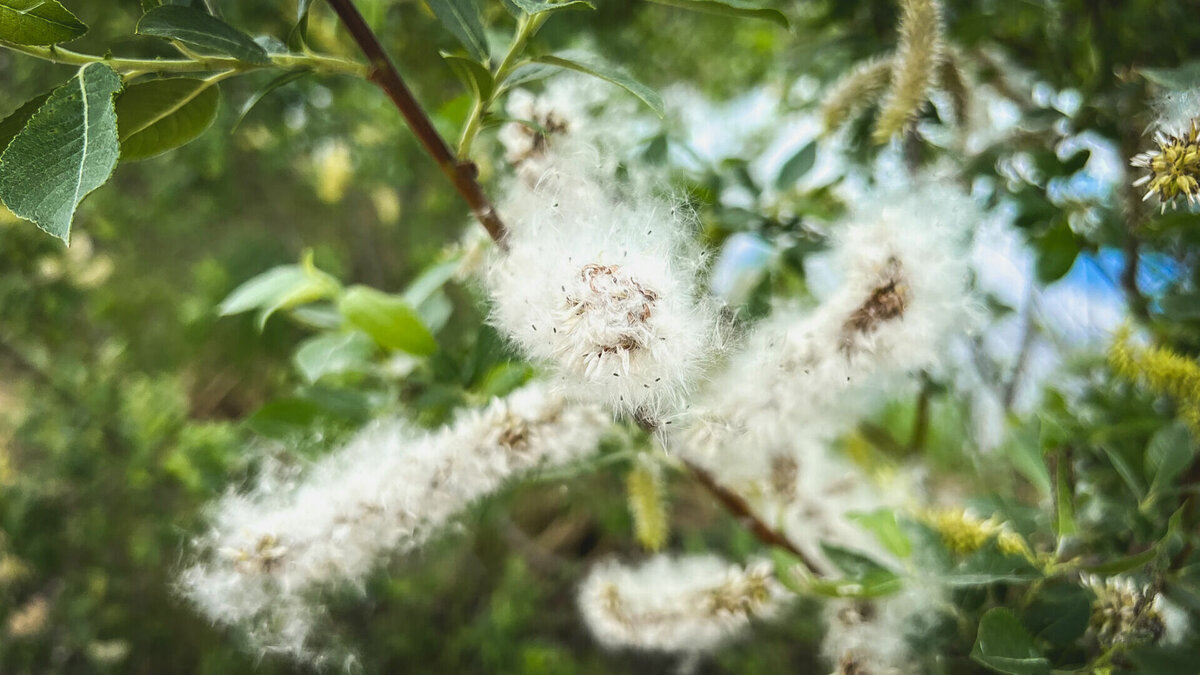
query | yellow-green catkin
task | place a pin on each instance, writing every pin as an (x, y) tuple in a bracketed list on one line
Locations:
[(644, 486), (964, 533), (1162, 371), (914, 67), (855, 92)]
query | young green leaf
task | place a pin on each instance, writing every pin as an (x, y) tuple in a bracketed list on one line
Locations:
[(13, 124), (38, 22), (539, 6), (279, 81), (1005, 646), (279, 288), (882, 523), (298, 36), (472, 73), (334, 353), (461, 17), (203, 32), (160, 115), (1167, 455), (586, 62), (67, 149), (798, 165), (388, 319), (739, 8)]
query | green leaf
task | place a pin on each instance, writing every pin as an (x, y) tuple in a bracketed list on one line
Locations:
[(277, 82), (1059, 613), (1064, 499), (1168, 453), (67, 149), (279, 288), (160, 115), (539, 6), (882, 523), (528, 72), (461, 17), (334, 353), (1024, 450), (586, 62), (1056, 248), (1124, 563), (1005, 646), (388, 319), (298, 36), (796, 166), (739, 8), (865, 578), (431, 280), (472, 73), (14, 123), (203, 32), (38, 22)]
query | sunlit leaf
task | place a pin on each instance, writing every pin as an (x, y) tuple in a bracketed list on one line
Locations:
[(38, 22)]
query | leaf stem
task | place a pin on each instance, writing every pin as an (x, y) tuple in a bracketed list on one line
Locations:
[(200, 64), (463, 174), (527, 26)]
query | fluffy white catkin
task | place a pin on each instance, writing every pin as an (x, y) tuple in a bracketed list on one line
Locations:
[(764, 426), (271, 551), (684, 605), (603, 286), (873, 636)]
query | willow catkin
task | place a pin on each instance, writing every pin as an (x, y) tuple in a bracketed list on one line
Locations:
[(646, 504), (855, 92), (913, 68)]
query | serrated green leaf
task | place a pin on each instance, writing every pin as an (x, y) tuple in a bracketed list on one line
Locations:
[(472, 73), (882, 523), (15, 122), (1005, 646), (38, 22), (739, 8), (67, 149), (277, 82), (796, 166), (461, 17), (160, 115), (539, 6), (1168, 453), (202, 32), (586, 62), (334, 353), (388, 319)]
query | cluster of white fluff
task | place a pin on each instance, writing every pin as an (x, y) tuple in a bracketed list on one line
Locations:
[(766, 423), (873, 635), (1176, 111), (603, 286), (270, 551), (563, 124), (684, 605)]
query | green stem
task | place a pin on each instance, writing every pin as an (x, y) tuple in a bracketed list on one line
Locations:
[(527, 26), (316, 62)]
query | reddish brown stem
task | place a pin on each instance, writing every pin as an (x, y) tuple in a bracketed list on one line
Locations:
[(739, 507), (463, 174)]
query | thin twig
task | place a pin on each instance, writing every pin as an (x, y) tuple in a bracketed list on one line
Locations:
[(463, 174), (739, 507)]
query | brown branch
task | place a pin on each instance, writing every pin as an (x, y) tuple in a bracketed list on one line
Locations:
[(462, 173), (739, 507)]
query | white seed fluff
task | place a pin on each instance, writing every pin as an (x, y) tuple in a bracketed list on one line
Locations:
[(604, 287), (270, 552), (873, 636), (684, 605)]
